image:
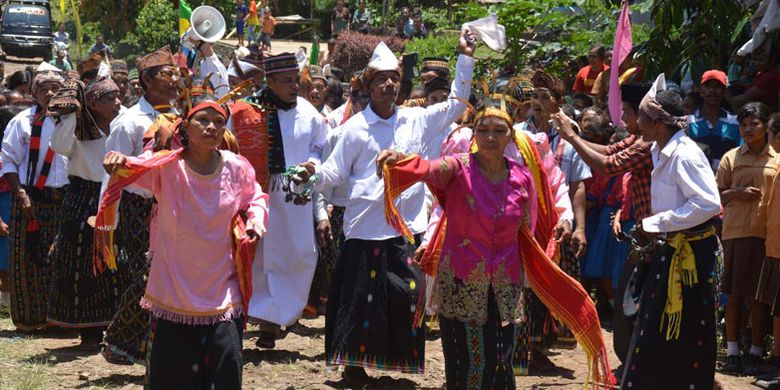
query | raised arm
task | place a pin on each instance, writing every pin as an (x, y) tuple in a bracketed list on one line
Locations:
[(64, 138), (439, 117), (211, 65), (337, 169), (318, 139)]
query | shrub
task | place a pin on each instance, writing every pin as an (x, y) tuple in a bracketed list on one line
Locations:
[(444, 45), (353, 50)]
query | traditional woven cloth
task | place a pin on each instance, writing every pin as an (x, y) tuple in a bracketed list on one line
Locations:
[(29, 280), (127, 334), (682, 272), (80, 298)]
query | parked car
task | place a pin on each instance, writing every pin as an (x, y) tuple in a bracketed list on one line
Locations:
[(25, 28)]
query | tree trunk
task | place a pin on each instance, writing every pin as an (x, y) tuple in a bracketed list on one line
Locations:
[(385, 10)]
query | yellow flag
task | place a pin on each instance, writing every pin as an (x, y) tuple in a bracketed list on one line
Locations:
[(79, 35)]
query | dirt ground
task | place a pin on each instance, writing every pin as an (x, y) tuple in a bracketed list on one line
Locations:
[(53, 361)]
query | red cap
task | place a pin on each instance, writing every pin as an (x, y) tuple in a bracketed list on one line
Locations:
[(716, 75)]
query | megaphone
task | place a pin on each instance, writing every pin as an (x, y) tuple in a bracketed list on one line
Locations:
[(206, 24)]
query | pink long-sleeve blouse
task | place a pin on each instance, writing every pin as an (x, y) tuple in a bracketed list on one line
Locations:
[(193, 276), (480, 248)]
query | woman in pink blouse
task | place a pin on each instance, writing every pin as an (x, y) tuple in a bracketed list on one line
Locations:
[(194, 291), (479, 285)]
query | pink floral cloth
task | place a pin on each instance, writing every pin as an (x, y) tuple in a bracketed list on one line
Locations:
[(193, 276), (480, 248), (459, 141)]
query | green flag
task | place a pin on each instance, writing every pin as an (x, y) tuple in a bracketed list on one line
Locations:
[(185, 11), (314, 57)]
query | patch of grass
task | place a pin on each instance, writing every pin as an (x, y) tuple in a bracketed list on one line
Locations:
[(17, 372), (23, 376)]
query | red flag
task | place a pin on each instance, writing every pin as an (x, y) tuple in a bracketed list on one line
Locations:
[(620, 50)]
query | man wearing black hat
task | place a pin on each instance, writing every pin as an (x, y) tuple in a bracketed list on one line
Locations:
[(433, 67), (630, 155), (275, 129)]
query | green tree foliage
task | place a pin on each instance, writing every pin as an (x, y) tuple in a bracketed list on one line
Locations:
[(114, 19), (551, 33), (156, 26), (444, 45), (702, 33)]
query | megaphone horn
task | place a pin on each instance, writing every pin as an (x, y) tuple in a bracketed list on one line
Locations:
[(208, 24)]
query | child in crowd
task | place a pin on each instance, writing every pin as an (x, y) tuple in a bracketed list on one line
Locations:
[(691, 103), (768, 288), (6, 114), (269, 25), (242, 11), (253, 22), (603, 197), (744, 177)]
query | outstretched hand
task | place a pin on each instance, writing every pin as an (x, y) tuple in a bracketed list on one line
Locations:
[(389, 157), (113, 161)]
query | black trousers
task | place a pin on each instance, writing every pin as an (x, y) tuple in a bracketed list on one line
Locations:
[(195, 356)]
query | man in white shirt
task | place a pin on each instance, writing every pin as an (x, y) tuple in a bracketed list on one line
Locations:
[(330, 205), (37, 176), (157, 75), (674, 344), (376, 287), (295, 130)]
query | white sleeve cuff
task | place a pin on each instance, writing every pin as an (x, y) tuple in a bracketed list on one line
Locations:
[(652, 224)]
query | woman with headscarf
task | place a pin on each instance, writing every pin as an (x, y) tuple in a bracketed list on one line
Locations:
[(479, 288), (37, 176), (210, 212), (674, 346), (80, 298)]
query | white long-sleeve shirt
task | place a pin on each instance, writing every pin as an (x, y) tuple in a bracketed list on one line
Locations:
[(127, 135), (15, 155), (219, 74), (683, 190), (408, 130), (85, 158)]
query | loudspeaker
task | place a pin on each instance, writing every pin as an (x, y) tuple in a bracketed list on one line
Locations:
[(207, 24)]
